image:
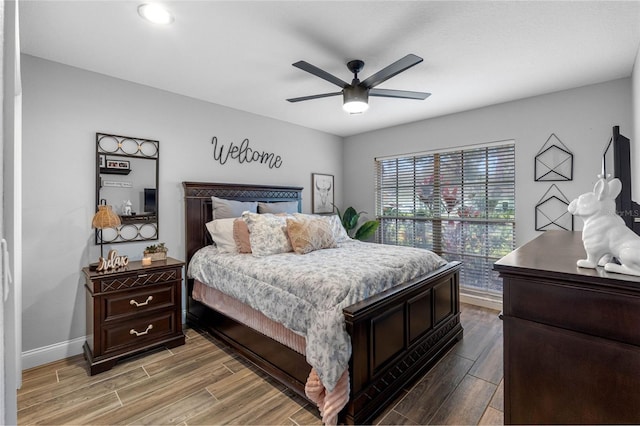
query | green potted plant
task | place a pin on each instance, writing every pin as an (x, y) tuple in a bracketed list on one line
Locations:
[(156, 251), (350, 220)]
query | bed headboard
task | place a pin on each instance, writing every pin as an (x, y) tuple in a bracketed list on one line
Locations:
[(197, 198)]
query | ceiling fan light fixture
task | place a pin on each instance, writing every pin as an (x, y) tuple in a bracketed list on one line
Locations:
[(356, 100), (356, 94), (155, 13)]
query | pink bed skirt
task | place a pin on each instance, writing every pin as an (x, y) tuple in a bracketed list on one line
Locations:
[(329, 403), (248, 316)]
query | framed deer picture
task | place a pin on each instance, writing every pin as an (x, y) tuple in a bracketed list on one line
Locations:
[(322, 193)]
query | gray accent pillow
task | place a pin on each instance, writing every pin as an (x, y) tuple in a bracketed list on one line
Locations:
[(289, 207), (225, 209)]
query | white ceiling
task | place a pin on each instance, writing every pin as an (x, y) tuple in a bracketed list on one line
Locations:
[(239, 53)]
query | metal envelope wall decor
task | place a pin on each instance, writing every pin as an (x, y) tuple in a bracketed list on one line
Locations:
[(551, 211), (554, 161)]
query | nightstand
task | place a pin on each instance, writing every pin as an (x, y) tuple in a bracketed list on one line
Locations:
[(132, 309)]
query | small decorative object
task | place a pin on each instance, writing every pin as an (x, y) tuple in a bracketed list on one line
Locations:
[(322, 193), (156, 252), (146, 261), (551, 211), (126, 208), (104, 218), (607, 240), (554, 162), (113, 261), (350, 221), (118, 164)]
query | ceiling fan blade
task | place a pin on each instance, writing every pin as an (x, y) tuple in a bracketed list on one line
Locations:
[(306, 66), (306, 98), (395, 68), (402, 94)]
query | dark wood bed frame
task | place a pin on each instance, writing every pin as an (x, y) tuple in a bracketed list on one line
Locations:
[(396, 335)]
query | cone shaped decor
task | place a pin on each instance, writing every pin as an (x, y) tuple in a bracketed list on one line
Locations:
[(106, 218)]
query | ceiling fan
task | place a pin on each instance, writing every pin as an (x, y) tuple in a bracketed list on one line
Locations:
[(356, 95)]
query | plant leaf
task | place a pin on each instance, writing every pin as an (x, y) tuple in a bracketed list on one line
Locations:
[(350, 219), (367, 230)]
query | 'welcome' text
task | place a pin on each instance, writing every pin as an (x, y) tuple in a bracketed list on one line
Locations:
[(243, 153)]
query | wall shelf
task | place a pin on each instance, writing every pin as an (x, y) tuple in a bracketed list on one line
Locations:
[(110, 171)]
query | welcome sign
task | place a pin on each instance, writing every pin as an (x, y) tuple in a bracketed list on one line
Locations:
[(244, 154)]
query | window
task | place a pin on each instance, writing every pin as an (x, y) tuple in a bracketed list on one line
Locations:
[(460, 204)]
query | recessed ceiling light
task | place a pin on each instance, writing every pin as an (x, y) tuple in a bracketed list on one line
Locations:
[(155, 13)]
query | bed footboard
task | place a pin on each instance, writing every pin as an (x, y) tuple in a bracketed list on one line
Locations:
[(397, 335)]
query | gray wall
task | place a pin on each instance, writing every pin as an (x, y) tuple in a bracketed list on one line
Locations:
[(582, 118), (63, 109)]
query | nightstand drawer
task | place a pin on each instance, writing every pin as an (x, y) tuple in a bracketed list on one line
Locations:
[(140, 331), (123, 304), (136, 280)]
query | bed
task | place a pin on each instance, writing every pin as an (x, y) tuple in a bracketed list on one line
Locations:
[(395, 335)]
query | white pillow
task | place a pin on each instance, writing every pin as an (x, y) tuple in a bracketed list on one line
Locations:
[(221, 231), (224, 209), (339, 233), (289, 207), (267, 233)]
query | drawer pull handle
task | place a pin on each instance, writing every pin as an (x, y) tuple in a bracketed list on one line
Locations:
[(142, 275), (138, 334), (146, 302)]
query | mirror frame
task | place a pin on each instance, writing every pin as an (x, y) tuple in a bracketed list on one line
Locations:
[(127, 148)]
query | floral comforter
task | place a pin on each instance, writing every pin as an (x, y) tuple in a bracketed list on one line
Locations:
[(306, 293)]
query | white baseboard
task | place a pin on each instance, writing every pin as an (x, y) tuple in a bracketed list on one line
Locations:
[(481, 301), (55, 352), (58, 351)]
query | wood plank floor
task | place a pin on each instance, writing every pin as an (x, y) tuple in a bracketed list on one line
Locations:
[(203, 382)]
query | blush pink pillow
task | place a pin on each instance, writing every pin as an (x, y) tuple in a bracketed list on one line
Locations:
[(241, 235), (309, 233)]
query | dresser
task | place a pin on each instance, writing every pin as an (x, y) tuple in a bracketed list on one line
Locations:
[(132, 309), (571, 337)]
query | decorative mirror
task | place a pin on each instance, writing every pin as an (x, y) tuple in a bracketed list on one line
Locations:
[(127, 180)]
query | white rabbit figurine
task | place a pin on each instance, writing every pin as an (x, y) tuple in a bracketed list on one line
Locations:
[(126, 208), (604, 233)]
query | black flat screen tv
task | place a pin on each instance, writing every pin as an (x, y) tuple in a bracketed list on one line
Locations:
[(616, 162), (150, 200)]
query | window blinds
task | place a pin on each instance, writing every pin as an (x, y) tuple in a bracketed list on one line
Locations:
[(460, 204)]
